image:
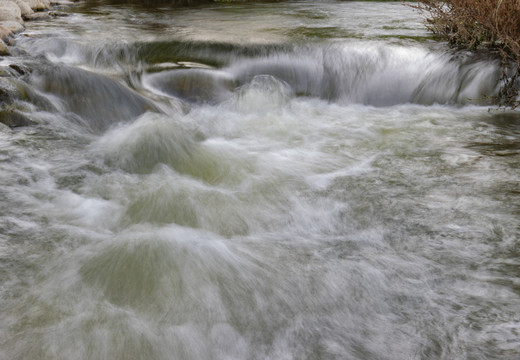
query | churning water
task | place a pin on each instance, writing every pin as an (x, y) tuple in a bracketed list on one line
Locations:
[(295, 180)]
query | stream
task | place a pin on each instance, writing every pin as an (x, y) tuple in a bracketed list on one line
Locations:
[(267, 180)]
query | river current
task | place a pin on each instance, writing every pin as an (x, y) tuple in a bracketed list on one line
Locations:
[(283, 180)]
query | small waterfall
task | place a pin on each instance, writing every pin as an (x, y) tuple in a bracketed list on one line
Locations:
[(378, 75)]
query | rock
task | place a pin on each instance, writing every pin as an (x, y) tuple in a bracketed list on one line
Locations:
[(25, 9), (13, 26), (10, 115), (14, 118), (8, 91), (5, 34), (9, 11), (62, 2), (5, 71), (39, 5), (4, 50), (38, 16), (20, 69), (56, 14)]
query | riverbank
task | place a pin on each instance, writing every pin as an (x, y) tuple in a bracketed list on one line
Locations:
[(14, 14), (491, 25), (13, 17)]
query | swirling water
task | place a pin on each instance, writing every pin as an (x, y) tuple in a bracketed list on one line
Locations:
[(294, 180)]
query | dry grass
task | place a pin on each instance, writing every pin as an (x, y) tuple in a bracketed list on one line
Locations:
[(493, 24)]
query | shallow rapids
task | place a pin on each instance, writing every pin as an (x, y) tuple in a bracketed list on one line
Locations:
[(293, 180)]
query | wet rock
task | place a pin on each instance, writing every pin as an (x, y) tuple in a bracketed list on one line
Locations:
[(20, 69), (14, 92), (55, 14), (9, 11), (14, 118)]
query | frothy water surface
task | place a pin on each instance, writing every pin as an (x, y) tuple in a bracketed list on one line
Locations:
[(295, 180)]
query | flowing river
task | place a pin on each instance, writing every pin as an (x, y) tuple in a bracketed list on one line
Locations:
[(287, 180)]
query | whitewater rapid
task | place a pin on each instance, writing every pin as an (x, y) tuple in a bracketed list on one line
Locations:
[(292, 180)]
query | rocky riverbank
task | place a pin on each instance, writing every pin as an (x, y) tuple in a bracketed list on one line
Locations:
[(14, 14)]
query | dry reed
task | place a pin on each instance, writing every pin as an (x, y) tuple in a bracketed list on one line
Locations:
[(492, 24)]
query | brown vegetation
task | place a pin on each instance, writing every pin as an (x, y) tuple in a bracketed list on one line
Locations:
[(493, 24)]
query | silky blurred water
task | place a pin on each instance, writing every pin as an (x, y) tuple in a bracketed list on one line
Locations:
[(292, 180)]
